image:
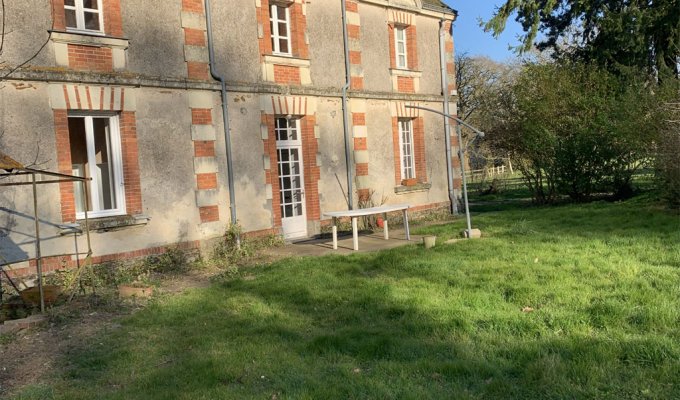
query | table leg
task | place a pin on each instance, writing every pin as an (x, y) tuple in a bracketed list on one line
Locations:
[(408, 232), (385, 227), (335, 233), (355, 233)]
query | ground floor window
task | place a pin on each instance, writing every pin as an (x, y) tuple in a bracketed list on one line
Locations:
[(406, 157), (96, 153)]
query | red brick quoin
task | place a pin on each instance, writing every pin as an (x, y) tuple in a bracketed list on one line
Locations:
[(194, 6), (197, 70), (206, 181), (201, 116), (204, 148), (209, 214), (194, 37)]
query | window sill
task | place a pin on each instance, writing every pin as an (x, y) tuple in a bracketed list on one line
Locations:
[(405, 72), (105, 224), (286, 60), (89, 39), (418, 187)]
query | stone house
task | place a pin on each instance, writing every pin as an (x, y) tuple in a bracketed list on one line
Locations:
[(122, 91)]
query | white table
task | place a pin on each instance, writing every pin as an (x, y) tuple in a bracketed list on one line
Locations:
[(355, 214)]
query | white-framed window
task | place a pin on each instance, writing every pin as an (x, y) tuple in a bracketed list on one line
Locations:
[(400, 47), (96, 153), (84, 16), (287, 131), (406, 158), (279, 19)]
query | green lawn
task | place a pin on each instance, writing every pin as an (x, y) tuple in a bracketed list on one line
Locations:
[(603, 281)]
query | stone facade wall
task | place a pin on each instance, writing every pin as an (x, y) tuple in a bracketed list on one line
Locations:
[(148, 66)]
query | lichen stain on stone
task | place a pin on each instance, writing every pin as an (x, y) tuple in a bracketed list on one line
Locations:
[(22, 86)]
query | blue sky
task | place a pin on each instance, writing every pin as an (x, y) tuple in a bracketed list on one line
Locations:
[(471, 38)]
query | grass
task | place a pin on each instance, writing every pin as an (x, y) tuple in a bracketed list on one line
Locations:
[(570, 302)]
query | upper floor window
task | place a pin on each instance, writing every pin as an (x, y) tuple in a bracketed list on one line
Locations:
[(280, 27), (407, 158), (400, 47), (84, 15)]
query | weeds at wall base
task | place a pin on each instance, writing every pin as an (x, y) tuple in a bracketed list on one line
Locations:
[(227, 253)]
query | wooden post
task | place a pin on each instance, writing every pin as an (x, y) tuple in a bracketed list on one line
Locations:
[(355, 234)]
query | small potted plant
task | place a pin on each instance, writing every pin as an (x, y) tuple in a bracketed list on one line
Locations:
[(32, 295)]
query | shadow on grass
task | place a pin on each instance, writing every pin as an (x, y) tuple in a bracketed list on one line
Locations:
[(286, 340), (410, 323)]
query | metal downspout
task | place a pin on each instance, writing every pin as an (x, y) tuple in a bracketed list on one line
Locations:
[(345, 111), (453, 206), (225, 119)]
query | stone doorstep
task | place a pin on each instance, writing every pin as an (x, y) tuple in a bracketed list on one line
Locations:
[(23, 323)]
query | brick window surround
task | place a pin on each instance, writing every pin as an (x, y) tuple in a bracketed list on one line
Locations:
[(411, 46), (298, 26), (418, 150), (113, 21), (130, 160), (311, 170), (90, 50)]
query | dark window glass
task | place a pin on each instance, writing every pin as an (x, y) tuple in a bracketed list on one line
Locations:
[(92, 21), (70, 18), (93, 4)]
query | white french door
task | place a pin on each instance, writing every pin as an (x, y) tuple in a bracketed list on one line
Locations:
[(291, 178)]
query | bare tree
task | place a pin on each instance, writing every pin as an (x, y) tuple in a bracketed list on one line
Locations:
[(8, 70), (3, 35), (481, 83)]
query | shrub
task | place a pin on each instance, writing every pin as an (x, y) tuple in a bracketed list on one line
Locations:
[(174, 260), (229, 252), (668, 159), (577, 130)]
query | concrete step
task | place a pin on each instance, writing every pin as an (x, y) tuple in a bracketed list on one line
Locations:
[(25, 323)]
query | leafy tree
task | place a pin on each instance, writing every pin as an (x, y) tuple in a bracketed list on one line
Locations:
[(576, 130), (668, 160), (616, 34)]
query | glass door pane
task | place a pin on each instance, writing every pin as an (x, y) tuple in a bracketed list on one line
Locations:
[(104, 166), (79, 162)]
